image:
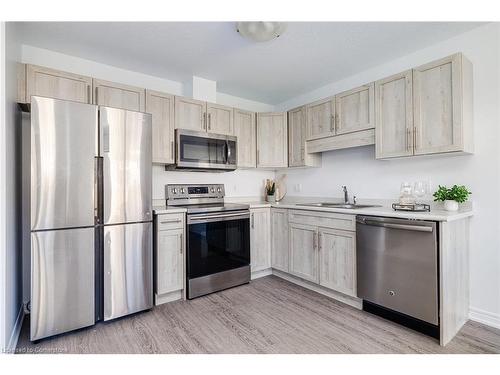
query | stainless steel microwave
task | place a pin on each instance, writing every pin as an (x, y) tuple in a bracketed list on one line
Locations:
[(195, 150)]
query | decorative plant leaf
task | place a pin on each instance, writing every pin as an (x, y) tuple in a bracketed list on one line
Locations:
[(457, 193)]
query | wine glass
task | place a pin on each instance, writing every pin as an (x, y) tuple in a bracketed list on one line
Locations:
[(420, 189)]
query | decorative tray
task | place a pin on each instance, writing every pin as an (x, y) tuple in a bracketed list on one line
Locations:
[(411, 207)]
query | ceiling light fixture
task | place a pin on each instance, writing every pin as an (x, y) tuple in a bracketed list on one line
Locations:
[(261, 31)]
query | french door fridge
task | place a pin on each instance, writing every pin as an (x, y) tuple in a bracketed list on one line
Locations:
[(91, 229)]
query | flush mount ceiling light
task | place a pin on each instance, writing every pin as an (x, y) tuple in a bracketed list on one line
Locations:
[(261, 31)]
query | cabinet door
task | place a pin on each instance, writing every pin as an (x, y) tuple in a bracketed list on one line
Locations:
[(245, 131), (321, 119), (190, 114), (437, 111), (337, 260), (260, 239), (355, 110), (220, 119), (304, 251), (55, 84), (116, 95), (394, 116), (169, 261), (161, 107), (279, 235), (297, 137), (272, 140)]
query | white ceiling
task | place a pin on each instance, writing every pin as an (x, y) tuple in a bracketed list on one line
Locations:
[(307, 56)]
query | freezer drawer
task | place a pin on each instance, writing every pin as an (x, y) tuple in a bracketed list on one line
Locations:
[(63, 148), (125, 145), (62, 281), (397, 265), (128, 269)]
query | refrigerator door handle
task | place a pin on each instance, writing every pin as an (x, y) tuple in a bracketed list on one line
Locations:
[(98, 192)]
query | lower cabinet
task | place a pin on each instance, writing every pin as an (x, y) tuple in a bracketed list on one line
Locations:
[(260, 239), (169, 257), (337, 260), (279, 235), (304, 251)]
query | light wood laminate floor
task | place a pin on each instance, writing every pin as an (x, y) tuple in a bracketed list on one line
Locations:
[(270, 315)]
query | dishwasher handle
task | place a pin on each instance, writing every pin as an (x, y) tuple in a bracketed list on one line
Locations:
[(413, 227)]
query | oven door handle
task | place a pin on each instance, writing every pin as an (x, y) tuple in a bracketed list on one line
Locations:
[(201, 218)]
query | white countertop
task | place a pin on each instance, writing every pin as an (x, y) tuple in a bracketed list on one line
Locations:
[(435, 214)]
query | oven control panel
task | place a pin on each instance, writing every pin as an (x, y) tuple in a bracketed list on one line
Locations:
[(186, 191)]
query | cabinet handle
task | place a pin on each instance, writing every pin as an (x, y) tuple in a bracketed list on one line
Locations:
[(89, 94), (337, 120), (319, 240), (415, 137), (204, 125), (96, 95), (315, 244), (332, 123), (171, 221), (172, 149), (182, 243), (209, 121), (253, 220)]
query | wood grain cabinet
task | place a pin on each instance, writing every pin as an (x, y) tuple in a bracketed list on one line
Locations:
[(117, 95), (279, 235), (169, 257), (161, 107), (190, 114), (427, 110), (442, 97), (219, 119), (355, 110), (304, 251), (41, 81), (272, 140), (297, 134), (260, 239), (337, 260), (321, 118), (246, 133), (394, 116)]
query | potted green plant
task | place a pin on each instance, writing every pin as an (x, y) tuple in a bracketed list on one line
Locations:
[(451, 196), (270, 190)]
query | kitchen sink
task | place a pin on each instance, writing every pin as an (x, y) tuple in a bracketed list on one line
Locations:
[(338, 205)]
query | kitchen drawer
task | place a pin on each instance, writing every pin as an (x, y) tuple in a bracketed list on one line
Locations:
[(323, 219), (170, 221)]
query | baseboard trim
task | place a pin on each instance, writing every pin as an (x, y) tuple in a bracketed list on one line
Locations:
[(484, 317), (16, 331), (348, 300), (261, 273)]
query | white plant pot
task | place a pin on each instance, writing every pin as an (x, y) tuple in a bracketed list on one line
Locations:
[(450, 205)]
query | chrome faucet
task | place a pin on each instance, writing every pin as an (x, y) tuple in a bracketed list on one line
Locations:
[(346, 195)]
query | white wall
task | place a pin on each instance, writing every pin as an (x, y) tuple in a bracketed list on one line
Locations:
[(10, 175), (369, 178)]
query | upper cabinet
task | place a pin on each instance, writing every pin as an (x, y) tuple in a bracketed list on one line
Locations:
[(41, 81), (219, 119), (190, 114), (442, 97), (272, 140), (394, 116), (161, 107), (355, 110), (297, 134), (198, 115), (246, 133), (117, 95), (321, 119), (426, 111)]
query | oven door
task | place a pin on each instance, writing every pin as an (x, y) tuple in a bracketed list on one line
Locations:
[(217, 242), (205, 151)]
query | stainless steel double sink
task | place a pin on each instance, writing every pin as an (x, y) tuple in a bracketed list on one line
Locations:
[(338, 205)]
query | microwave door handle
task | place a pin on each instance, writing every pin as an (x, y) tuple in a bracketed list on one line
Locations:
[(226, 153)]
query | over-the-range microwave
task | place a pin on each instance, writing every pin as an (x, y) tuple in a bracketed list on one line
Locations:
[(202, 151)]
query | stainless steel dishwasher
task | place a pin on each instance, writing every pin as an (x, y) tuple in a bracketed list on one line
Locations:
[(397, 270)]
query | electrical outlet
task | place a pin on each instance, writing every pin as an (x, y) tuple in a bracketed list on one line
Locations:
[(298, 188)]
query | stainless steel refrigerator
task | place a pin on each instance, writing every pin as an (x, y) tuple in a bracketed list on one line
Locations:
[(91, 215)]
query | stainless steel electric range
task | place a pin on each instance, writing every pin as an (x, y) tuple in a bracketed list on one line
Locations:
[(218, 238)]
